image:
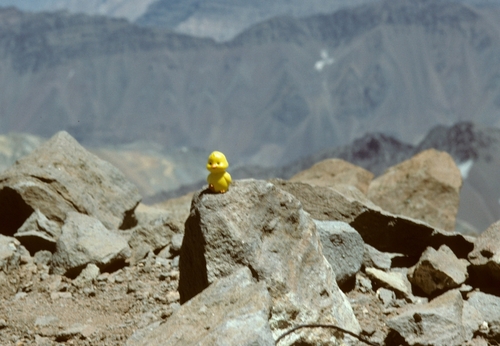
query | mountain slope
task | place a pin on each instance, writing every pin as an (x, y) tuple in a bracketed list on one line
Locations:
[(224, 19), (284, 89), (130, 9)]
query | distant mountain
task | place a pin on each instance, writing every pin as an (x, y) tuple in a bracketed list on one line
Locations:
[(222, 20), (281, 90), (130, 9)]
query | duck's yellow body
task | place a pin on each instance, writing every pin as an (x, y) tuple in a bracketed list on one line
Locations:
[(218, 180)]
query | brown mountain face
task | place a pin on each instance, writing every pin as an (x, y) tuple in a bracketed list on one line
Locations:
[(283, 89)]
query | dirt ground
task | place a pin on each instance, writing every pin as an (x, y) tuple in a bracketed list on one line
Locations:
[(37, 308)]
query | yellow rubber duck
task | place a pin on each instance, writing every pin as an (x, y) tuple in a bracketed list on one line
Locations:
[(218, 180)]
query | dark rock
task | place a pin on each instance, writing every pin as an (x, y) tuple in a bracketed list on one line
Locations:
[(343, 247), (438, 271), (438, 322), (85, 240), (425, 187), (259, 226), (61, 177), (233, 311)]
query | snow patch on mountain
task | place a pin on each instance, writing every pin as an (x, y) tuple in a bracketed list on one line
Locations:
[(324, 61), (465, 168)]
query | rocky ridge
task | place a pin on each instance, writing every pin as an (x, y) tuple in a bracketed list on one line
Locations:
[(244, 268)]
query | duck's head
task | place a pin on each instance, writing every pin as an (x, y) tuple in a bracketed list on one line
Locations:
[(217, 162)]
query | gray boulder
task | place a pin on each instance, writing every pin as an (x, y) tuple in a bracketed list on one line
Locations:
[(61, 177), (437, 323), (343, 247), (38, 233), (232, 311), (488, 306), (485, 259), (152, 236), (472, 320), (259, 226), (438, 271), (11, 251), (85, 240)]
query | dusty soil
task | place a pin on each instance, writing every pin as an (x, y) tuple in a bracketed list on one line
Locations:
[(37, 308)]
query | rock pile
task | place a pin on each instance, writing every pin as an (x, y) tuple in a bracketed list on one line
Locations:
[(318, 261)]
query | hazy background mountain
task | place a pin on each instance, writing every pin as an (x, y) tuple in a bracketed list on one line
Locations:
[(224, 19), (219, 19), (283, 89), (130, 9)]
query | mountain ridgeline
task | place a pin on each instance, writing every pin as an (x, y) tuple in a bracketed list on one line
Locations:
[(281, 90)]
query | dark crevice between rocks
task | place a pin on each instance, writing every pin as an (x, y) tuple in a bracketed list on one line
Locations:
[(74, 272), (192, 264), (480, 277), (13, 211), (394, 339), (404, 261), (43, 179), (460, 246), (255, 275), (110, 268), (348, 285), (302, 343), (34, 244), (114, 266), (129, 219)]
